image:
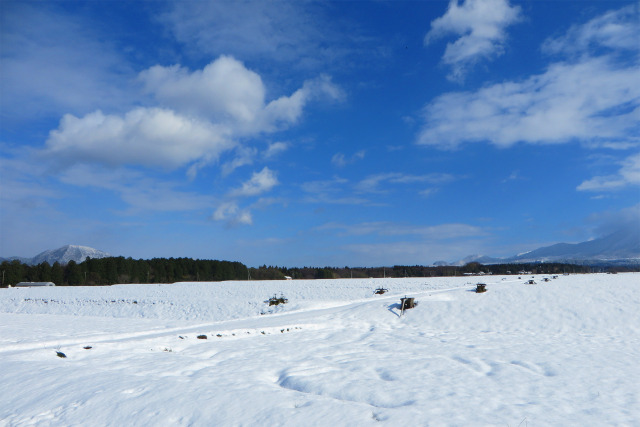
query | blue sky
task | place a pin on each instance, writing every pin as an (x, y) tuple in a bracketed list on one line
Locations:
[(318, 133)]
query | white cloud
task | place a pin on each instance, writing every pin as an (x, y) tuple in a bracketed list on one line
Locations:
[(248, 155), (288, 109), (143, 136), (275, 149), (244, 156), (372, 183), (629, 174), (223, 89), (231, 213), (592, 99), (340, 160), (226, 91), (617, 29), (203, 114), (259, 183), (481, 26)]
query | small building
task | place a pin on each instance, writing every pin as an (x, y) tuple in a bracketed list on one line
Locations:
[(33, 284)]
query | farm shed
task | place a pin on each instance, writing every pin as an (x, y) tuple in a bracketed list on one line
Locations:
[(33, 284)]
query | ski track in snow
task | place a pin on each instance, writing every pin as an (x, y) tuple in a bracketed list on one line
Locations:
[(558, 353)]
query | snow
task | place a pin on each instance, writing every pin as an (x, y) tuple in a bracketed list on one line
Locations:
[(66, 254), (563, 352)]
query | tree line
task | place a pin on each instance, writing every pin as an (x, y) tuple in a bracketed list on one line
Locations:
[(279, 273), (112, 270)]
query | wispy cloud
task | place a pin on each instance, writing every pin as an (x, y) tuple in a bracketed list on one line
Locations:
[(138, 191), (480, 25), (428, 192), (303, 35), (45, 71), (372, 183), (628, 174), (22, 185), (612, 221), (437, 232), (331, 191), (340, 160), (275, 149), (611, 30), (594, 98)]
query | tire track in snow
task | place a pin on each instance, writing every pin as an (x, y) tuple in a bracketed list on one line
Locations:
[(272, 322)]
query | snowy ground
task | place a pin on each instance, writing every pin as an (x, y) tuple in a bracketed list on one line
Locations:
[(559, 353)]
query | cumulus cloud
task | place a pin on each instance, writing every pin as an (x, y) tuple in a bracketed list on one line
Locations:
[(592, 99), (629, 174), (232, 214), (226, 91), (480, 25), (223, 89), (143, 136), (201, 115)]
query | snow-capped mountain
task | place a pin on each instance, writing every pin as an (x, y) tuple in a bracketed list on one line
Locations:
[(622, 246), (63, 255)]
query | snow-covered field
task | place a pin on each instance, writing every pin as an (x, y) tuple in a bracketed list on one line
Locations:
[(559, 353)]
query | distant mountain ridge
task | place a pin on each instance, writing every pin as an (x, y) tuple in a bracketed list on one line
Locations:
[(621, 247), (62, 255)]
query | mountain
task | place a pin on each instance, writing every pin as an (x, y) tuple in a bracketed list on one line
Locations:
[(621, 247), (62, 255), (482, 259)]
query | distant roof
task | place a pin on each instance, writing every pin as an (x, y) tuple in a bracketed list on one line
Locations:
[(28, 284)]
